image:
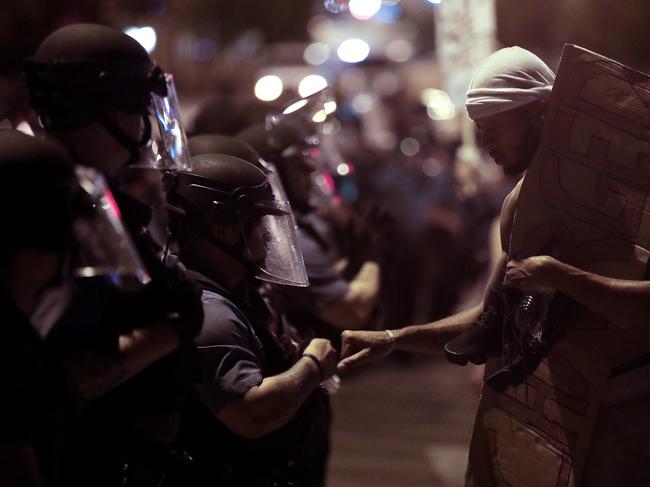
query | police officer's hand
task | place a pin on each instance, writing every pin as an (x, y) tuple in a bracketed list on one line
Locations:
[(290, 348), (359, 347), (326, 354)]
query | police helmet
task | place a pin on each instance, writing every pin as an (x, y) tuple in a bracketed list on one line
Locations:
[(227, 190)]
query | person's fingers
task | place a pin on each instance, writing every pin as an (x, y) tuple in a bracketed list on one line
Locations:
[(353, 360), (346, 350), (348, 345)]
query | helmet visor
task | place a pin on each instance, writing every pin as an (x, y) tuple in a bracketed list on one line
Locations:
[(275, 182), (310, 113), (104, 248), (272, 245), (168, 148)]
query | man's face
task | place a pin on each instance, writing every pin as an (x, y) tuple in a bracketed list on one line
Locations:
[(133, 127), (298, 182), (257, 237), (511, 138)]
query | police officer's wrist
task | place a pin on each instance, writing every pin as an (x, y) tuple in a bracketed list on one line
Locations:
[(319, 366)]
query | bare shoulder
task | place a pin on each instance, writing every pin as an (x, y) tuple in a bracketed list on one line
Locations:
[(508, 215)]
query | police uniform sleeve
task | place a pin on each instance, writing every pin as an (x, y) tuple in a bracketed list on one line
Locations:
[(231, 354)]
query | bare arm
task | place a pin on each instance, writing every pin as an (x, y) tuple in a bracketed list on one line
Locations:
[(431, 337), (276, 400), (623, 302), (363, 346), (353, 310), (96, 375)]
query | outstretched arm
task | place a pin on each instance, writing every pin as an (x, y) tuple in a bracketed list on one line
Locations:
[(363, 346)]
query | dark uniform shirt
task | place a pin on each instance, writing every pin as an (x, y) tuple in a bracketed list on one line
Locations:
[(33, 390), (129, 432), (232, 355), (236, 352)]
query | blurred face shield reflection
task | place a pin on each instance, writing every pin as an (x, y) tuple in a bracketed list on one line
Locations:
[(167, 149), (103, 246), (271, 243), (305, 117), (299, 129)]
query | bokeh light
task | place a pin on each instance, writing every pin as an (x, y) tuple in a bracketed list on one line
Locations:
[(438, 103), (146, 36), (353, 50), (399, 50), (409, 146), (316, 53), (268, 88), (311, 84), (364, 9)]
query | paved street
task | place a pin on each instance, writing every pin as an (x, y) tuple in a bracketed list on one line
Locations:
[(403, 423)]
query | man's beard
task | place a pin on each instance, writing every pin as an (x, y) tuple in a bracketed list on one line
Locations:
[(529, 147)]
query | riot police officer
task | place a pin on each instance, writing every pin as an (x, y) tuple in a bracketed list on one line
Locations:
[(93, 88), (52, 211), (260, 417)]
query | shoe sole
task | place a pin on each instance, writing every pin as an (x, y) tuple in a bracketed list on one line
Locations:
[(462, 359)]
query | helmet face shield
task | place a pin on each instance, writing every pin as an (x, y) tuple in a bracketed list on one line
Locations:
[(307, 115), (272, 245), (104, 248), (168, 148), (275, 182)]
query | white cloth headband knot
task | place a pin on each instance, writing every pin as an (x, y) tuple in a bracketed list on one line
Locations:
[(508, 79)]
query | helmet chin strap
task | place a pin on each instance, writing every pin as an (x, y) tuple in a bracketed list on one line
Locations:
[(130, 144)]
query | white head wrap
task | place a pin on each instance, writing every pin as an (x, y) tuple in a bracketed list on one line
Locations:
[(509, 78)]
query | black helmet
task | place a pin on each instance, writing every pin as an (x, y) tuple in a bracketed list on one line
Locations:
[(232, 146), (81, 71), (226, 190), (37, 192), (276, 141), (296, 128), (223, 144), (219, 189)]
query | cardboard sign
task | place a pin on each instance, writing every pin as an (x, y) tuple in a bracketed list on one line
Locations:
[(586, 195)]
